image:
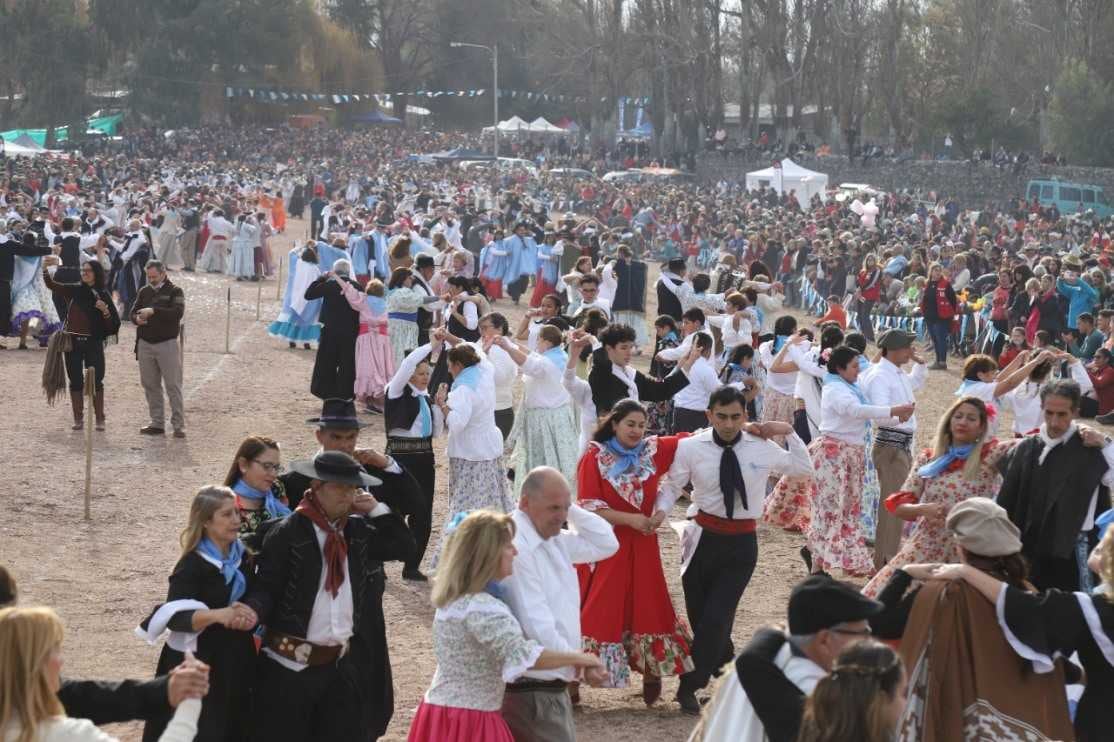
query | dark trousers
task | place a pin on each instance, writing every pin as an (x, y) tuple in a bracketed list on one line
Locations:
[(1003, 328), (87, 353), (940, 331), (504, 420), (866, 326), (316, 224), (714, 583), (317, 703), (688, 421), (516, 287), (423, 467), (334, 368)]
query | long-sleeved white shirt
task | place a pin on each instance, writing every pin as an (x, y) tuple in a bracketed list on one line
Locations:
[(506, 371), (609, 283), (810, 381), (473, 435), (697, 461), (542, 383), (543, 591), (785, 383), (729, 334), (397, 385), (182, 727), (702, 382), (581, 393), (887, 385), (844, 416), (1025, 399), (672, 355)]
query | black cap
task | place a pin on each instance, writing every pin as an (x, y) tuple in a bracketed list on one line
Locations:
[(338, 414), (819, 602)]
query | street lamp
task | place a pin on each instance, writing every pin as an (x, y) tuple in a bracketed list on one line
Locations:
[(495, 89)]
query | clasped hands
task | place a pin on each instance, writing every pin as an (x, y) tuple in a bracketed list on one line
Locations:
[(238, 617)]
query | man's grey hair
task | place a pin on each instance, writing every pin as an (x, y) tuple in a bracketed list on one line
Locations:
[(342, 267), (535, 481), (157, 265)]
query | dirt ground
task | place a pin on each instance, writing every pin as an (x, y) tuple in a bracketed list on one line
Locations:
[(103, 576)]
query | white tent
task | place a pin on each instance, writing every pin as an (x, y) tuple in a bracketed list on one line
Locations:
[(21, 149), (540, 125), (514, 123), (790, 177)]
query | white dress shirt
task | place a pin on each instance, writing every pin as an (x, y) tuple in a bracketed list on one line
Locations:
[(506, 371), (702, 382), (785, 383), (844, 416), (473, 435), (810, 381), (544, 592), (598, 303), (608, 285), (672, 355), (887, 385), (697, 461), (1025, 399), (731, 336), (542, 383)]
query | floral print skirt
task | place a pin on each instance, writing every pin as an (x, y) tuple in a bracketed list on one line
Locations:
[(475, 485), (836, 535)]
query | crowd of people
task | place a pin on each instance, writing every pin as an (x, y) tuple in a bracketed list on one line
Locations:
[(764, 402)]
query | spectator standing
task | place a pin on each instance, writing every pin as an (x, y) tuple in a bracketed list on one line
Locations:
[(157, 315)]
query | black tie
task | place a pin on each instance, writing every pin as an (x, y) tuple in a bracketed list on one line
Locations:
[(730, 475)]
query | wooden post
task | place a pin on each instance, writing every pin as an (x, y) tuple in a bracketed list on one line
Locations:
[(228, 323), (181, 352), (90, 384), (258, 300)]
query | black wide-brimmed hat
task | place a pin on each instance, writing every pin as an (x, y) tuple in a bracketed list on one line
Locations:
[(338, 414), (335, 466)]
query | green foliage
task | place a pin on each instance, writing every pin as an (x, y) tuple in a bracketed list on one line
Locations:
[(1080, 114)]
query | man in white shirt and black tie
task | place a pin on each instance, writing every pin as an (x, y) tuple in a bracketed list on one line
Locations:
[(728, 468), (544, 594)]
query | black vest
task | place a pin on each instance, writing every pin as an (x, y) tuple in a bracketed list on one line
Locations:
[(668, 303), (401, 411), (630, 289)]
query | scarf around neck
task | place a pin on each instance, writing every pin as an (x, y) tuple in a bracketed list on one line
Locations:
[(730, 474), (273, 506), (558, 357), (1051, 443), (830, 378), (626, 459), (940, 464), (469, 377), (229, 565), (336, 548)]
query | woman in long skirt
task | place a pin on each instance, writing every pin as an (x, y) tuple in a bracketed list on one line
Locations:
[(626, 615), (374, 356), (241, 263), (403, 302), (477, 477), (963, 463), (542, 434), (493, 326), (836, 537)]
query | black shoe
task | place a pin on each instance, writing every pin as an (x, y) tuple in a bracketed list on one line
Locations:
[(806, 555), (306, 346), (414, 575), (151, 430), (688, 703), (1107, 419), (179, 434), (293, 345)]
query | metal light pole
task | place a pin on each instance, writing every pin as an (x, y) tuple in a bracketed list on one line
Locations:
[(495, 84)]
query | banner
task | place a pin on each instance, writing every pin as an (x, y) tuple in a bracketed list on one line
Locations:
[(273, 95)]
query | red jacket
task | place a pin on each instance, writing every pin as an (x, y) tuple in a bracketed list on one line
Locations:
[(870, 285), (1104, 387)]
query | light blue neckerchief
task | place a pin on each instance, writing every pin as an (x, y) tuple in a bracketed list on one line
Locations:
[(558, 357), (940, 464), (625, 458), (469, 377), (671, 335), (830, 378), (967, 384), (864, 364), (229, 565), (425, 415), (271, 504), (377, 304), (780, 341), (496, 590)]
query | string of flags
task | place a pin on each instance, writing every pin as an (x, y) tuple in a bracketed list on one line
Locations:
[(275, 95)]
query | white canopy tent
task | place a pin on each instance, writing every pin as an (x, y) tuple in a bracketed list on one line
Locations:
[(540, 125), (790, 177), (514, 123)]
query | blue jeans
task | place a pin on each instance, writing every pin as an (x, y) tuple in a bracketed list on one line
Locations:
[(940, 330)]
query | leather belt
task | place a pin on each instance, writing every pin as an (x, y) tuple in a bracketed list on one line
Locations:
[(725, 526), (303, 652), (400, 444), (893, 437), (526, 686)]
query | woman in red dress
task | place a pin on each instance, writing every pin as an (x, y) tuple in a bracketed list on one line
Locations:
[(626, 615)]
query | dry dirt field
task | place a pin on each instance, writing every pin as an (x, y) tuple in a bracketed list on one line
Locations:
[(103, 576)]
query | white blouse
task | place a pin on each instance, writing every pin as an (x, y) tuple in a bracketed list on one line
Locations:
[(182, 727), (784, 383), (506, 371), (479, 647), (844, 416), (473, 435), (543, 387), (702, 382)]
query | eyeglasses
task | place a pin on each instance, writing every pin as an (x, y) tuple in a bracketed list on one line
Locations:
[(269, 467)]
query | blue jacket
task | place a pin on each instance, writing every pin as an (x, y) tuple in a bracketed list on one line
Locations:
[(1082, 297)]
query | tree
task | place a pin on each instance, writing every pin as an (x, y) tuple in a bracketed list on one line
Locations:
[(1080, 114)]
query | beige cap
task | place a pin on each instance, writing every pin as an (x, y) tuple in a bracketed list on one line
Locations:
[(982, 527)]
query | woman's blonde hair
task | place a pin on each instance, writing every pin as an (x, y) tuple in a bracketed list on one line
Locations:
[(206, 502), (471, 557), (944, 436), (27, 637)]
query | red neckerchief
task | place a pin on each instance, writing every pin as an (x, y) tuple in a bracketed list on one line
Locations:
[(336, 548)]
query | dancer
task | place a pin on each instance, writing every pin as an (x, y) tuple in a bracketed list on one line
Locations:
[(334, 366), (374, 355), (982, 379), (778, 389), (254, 477), (297, 322), (723, 465), (627, 616), (613, 378), (493, 326), (28, 299), (541, 433), (403, 303), (835, 536)]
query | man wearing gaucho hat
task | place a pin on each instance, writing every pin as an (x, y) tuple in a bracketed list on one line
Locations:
[(324, 673)]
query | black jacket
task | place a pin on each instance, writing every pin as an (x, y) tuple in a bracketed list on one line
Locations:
[(110, 703), (401, 492), (286, 584), (336, 315), (607, 389), (777, 701), (8, 251)]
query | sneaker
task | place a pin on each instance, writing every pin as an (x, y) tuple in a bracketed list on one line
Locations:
[(179, 434), (152, 430)]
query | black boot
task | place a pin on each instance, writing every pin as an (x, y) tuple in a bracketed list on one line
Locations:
[(77, 403)]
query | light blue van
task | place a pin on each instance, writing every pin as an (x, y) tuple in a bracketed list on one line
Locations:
[(1070, 198)]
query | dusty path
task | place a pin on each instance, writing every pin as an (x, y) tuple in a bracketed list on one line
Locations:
[(105, 575)]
